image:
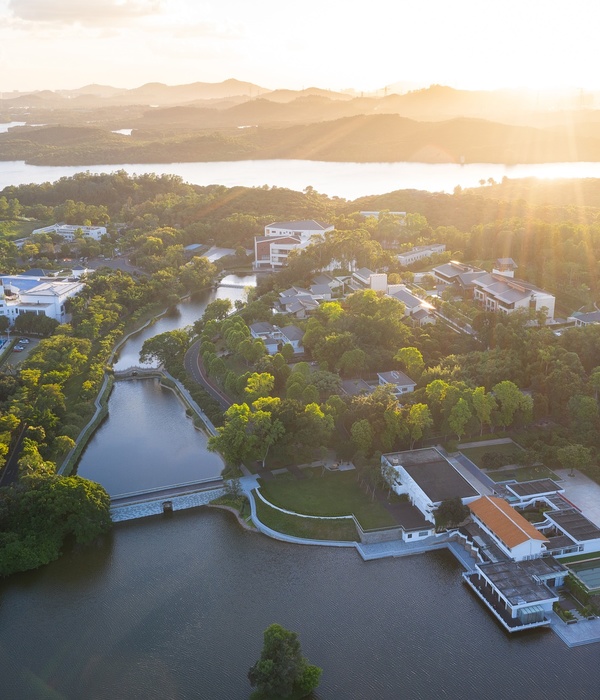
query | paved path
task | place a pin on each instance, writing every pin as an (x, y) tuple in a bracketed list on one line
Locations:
[(483, 443), (194, 367), (473, 474), (583, 492)]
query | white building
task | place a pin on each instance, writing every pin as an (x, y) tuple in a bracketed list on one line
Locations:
[(366, 279), (68, 231), (272, 250), (497, 292), (509, 530), (427, 478), (401, 382), (46, 296), (420, 252), (419, 310)]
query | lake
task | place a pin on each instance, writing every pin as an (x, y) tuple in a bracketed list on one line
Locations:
[(346, 180), (173, 608)]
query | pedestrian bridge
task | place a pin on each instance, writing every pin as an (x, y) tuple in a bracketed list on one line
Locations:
[(137, 372), (140, 504)]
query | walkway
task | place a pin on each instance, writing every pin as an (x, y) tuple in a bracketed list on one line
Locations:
[(473, 474), (483, 443), (582, 491)]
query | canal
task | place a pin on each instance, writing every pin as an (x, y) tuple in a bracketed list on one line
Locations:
[(147, 441)]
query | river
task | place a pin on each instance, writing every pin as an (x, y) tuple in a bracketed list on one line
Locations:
[(173, 608), (347, 180), (147, 441)]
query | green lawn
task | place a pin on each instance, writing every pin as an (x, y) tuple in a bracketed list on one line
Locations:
[(576, 558), (328, 494), (475, 454), (308, 528), (523, 474)]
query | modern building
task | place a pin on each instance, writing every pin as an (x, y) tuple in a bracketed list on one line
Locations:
[(585, 319), (518, 593), (46, 296), (401, 382), (272, 250), (420, 252), (366, 279), (496, 292), (69, 231), (427, 478), (418, 310)]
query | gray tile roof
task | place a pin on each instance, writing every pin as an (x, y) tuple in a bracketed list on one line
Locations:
[(305, 225)]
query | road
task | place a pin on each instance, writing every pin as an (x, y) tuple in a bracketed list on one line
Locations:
[(193, 365)]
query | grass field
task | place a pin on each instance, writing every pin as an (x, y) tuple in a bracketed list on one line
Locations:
[(329, 494), (307, 528), (475, 454), (523, 474)]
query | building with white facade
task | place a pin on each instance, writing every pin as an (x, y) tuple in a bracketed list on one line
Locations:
[(515, 536), (272, 250), (68, 231), (497, 292), (46, 296), (427, 478), (420, 252), (401, 383), (580, 320)]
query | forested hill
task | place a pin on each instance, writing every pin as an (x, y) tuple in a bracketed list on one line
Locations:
[(366, 138)]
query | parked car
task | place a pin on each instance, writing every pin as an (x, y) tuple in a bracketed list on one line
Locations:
[(18, 348), (23, 341)]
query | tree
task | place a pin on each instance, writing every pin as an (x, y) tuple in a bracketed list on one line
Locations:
[(450, 513), (483, 404), (412, 361), (217, 310), (460, 414), (510, 399), (259, 385), (281, 669), (165, 347), (362, 435), (418, 421), (574, 457)]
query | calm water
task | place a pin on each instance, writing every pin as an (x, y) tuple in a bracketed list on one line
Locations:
[(347, 180), (147, 442), (174, 609), (187, 312)]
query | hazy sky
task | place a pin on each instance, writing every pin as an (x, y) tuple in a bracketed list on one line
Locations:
[(337, 44)]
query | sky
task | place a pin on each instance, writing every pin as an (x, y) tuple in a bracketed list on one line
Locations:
[(331, 44)]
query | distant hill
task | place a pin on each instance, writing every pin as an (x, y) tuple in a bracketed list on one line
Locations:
[(364, 138)]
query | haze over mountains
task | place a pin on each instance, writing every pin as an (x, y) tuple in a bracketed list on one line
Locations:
[(235, 120)]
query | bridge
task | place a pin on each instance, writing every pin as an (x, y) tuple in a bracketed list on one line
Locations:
[(136, 372), (140, 504)]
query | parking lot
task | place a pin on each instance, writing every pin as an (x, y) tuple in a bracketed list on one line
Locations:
[(14, 358)]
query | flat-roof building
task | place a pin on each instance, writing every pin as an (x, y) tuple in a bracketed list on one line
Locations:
[(428, 479)]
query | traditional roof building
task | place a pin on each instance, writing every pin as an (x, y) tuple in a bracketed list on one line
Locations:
[(510, 531)]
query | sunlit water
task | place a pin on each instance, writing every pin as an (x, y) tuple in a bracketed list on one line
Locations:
[(347, 180), (147, 442), (174, 609)]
